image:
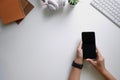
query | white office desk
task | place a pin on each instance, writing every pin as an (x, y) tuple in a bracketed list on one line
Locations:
[(43, 45)]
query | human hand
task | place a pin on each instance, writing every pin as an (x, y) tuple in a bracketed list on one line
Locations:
[(79, 55), (99, 62)]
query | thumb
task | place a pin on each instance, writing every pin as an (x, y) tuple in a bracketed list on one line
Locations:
[(90, 61)]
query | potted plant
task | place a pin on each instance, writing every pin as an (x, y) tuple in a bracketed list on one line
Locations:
[(73, 2)]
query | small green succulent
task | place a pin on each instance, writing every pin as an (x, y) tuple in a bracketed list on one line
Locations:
[(73, 2)]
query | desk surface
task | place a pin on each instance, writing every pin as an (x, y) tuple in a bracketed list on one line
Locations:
[(43, 45)]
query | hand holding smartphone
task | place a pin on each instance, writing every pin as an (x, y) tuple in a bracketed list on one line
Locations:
[(89, 45)]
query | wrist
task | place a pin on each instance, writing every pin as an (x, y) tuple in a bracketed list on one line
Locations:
[(78, 60), (77, 65), (107, 75), (102, 70)]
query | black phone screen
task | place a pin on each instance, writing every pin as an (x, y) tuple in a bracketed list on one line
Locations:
[(88, 45)]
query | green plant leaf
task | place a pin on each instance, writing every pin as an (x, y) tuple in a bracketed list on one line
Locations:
[(73, 2)]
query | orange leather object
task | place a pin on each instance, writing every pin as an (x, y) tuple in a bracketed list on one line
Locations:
[(10, 11)]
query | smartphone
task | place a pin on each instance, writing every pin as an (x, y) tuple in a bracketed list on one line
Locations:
[(89, 45)]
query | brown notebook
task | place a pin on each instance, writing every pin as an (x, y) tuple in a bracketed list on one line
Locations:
[(11, 10), (27, 7)]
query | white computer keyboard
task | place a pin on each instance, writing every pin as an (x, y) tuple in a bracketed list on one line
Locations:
[(110, 8)]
